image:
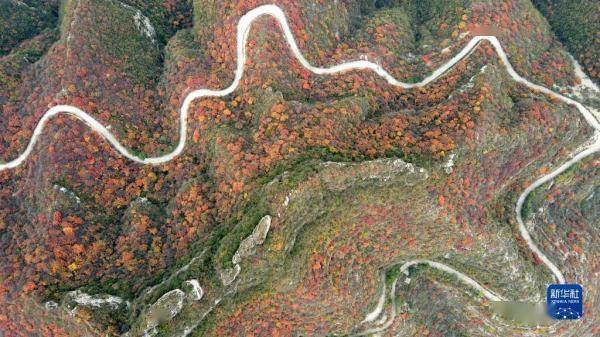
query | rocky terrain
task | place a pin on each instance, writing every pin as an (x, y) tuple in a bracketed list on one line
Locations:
[(298, 198)]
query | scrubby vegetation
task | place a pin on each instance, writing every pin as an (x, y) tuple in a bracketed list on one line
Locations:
[(577, 24), (22, 20)]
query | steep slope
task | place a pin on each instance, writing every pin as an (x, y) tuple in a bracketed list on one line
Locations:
[(22, 20), (577, 25)]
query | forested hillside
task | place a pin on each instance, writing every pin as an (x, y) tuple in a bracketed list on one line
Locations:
[(298, 196)]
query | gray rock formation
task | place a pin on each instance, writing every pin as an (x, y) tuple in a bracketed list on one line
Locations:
[(228, 275), (76, 298), (248, 245), (193, 289), (163, 310)]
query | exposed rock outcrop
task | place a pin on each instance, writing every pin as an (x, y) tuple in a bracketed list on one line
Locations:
[(164, 309), (193, 289), (228, 275), (74, 299), (248, 245)]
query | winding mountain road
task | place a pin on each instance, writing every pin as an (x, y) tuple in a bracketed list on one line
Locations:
[(243, 30)]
